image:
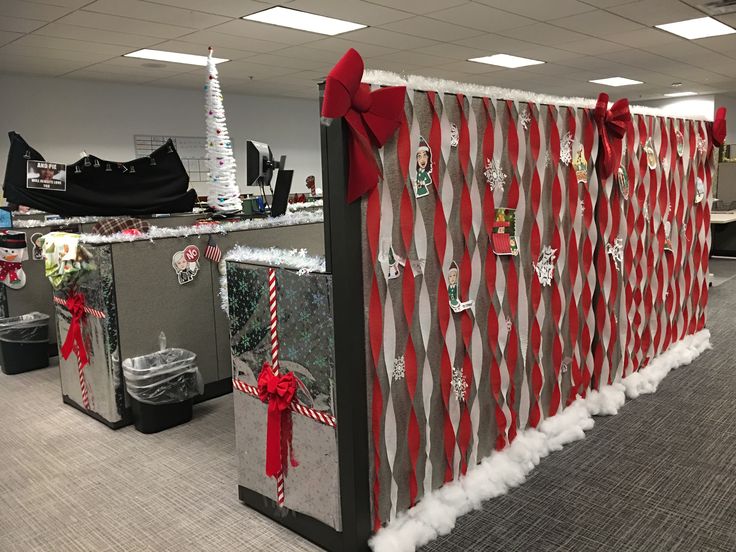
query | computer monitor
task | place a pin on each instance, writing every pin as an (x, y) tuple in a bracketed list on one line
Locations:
[(260, 169)]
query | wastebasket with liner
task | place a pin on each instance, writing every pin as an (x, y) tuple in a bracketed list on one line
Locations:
[(24, 343), (161, 386)]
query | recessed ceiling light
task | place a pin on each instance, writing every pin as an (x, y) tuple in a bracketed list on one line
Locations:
[(506, 60), (678, 94), (616, 81), (304, 21), (701, 27), (174, 57)]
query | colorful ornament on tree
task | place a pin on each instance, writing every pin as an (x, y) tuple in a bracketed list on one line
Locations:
[(13, 251), (424, 168), (495, 177), (223, 194), (453, 290)]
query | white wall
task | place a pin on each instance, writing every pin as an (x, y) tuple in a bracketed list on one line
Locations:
[(687, 106), (60, 117)]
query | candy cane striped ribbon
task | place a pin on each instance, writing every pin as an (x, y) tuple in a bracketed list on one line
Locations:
[(80, 368), (272, 305)]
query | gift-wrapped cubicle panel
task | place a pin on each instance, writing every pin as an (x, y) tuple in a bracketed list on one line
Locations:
[(282, 342), (506, 271)]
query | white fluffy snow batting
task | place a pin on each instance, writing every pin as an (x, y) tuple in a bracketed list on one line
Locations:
[(436, 513)]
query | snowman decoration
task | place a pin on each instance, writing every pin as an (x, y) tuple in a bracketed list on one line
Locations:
[(13, 251)]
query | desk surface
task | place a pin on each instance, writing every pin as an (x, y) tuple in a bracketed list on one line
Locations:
[(722, 217)]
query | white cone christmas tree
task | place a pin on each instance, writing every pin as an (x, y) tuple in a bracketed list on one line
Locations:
[(223, 194)]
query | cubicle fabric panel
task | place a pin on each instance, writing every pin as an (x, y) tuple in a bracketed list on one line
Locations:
[(103, 375), (513, 228), (306, 349)]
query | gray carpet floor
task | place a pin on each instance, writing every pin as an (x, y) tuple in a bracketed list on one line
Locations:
[(660, 476)]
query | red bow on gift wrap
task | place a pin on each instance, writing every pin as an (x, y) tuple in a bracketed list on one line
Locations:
[(373, 117), (719, 127), (75, 304), (278, 391), (612, 124), (10, 270)]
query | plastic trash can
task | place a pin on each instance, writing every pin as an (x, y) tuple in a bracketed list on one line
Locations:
[(24, 343), (161, 386)]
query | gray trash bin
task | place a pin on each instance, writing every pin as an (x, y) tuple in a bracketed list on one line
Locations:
[(24, 343)]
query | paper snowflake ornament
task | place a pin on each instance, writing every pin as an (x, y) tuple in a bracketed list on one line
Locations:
[(399, 370), (459, 385), (525, 118), (701, 145), (494, 174), (454, 135), (545, 266), (616, 251), (223, 194), (582, 206), (645, 210), (566, 149)]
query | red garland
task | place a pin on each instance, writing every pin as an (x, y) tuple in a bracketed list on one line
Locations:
[(75, 304), (612, 124), (373, 117), (278, 391), (9, 269)]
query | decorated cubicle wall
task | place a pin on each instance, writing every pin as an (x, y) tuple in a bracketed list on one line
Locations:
[(520, 257)]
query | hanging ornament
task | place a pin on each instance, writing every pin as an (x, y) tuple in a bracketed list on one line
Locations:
[(393, 265), (108, 168), (651, 154), (616, 251), (97, 163), (399, 370), (132, 169), (545, 266), (504, 233), (423, 180), (667, 239), (699, 190), (622, 177), (27, 154), (77, 170), (701, 145), (454, 135), (581, 167), (566, 149), (680, 140), (87, 162), (495, 177), (459, 385), (525, 118), (453, 289), (645, 211)]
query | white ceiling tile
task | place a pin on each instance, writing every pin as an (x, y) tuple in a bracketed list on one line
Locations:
[(119, 24), (157, 13), (38, 66), (311, 53), (389, 39), (415, 58), (643, 38), (88, 56), (71, 4), (723, 44), (230, 8), (30, 10), (7, 36), (90, 74), (19, 25), (287, 62), (253, 29), (484, 18), (50, 43), (541, 10), (356, 11), (656, 12), (471, 68), (338, 46), (426, 27), (88, 34), (683, 50), (542, 33), (609, 3), (421, 6), (597, 23), (135, 66), (454, 51), (245, 69), (217, 39), (496, 44), (591, 46)]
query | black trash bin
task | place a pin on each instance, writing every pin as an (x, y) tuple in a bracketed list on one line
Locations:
[(24, 343), (161, 387)]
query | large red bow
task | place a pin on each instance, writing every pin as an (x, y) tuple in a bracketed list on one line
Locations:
[(612, 124), (10, 271), (718, 134), (75, 305), (373, 118), (278, 391)]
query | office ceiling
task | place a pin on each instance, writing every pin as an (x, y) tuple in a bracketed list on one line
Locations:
[(579, 39)]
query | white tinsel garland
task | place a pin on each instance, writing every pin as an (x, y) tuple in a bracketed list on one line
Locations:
[(223, 194)]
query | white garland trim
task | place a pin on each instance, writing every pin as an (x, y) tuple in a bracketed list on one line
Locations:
[(418, 82), (435, 514), (316, 204), (289, 219)]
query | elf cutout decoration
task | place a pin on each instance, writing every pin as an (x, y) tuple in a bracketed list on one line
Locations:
[(424, 168), (581, 167), (453, 290), (13, 251)]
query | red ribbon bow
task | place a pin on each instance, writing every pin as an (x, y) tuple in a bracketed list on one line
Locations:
[(373, 117), (278, 391), (718, 132), (75, 305), (612, 124), (9, 269)]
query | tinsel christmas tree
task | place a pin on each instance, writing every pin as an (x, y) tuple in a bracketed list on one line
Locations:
[(223, 194)]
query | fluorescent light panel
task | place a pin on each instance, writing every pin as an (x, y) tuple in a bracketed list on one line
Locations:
[(173, 57), (679, 94), (506, 60), (304, 21), (616, 81), (702, 27)]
